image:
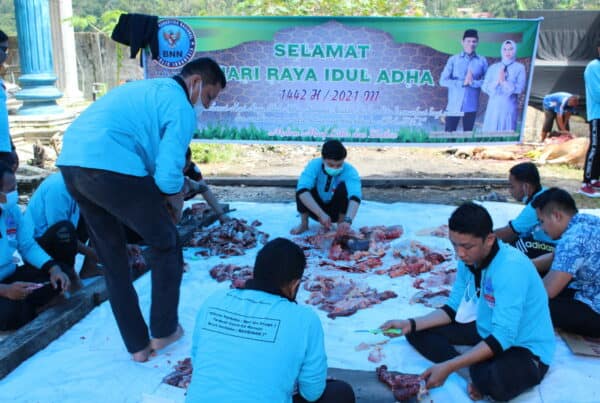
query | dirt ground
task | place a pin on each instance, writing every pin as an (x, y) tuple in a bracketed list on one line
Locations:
[(389, 162)]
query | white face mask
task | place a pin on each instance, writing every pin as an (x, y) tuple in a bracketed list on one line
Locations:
[(12, 198), (467, 309), (333, 171)]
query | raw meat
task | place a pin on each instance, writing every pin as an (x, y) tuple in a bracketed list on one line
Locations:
[(237, 274), (342, 297), (182, 374), (432, 299), (404, 386), (441, 231), (229, 239)]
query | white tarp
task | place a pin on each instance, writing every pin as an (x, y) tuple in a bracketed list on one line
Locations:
[(89, 362)]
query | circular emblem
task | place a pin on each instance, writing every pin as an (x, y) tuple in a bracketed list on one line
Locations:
[(176, 43)]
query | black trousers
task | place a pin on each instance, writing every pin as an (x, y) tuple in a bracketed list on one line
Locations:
[(109, 201), (14, 314), (591, 169), (502, 377), (533, 248), (574, 316), (549, 117), (468, 121), (336, 206), (335, 392)]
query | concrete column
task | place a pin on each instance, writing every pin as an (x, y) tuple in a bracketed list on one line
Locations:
[(39, 94), (63, 48)]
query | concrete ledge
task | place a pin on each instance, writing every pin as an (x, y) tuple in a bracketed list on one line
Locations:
[(366, 182), (49, 325)]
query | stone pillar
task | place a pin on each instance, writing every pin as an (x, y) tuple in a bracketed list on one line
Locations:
[(37, 78), (63, 48)]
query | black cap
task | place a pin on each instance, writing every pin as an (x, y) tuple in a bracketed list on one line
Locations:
[(333, 150), (471, 33)]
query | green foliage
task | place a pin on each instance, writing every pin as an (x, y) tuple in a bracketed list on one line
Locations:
[(207, 153), (330, 7)]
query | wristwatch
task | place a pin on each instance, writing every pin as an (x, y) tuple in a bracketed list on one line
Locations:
[(348, 220)]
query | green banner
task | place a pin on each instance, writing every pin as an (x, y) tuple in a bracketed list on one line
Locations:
[(358, 79)]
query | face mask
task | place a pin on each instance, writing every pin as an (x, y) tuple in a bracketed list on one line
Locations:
[(525, 197), (467, 310), (333, 171), (12, 199)]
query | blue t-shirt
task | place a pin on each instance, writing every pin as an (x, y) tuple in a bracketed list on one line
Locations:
[(252, 346), (4, 128), (527, 223), (513, 305), (17, 234), (557, 102), (578, 253), (51, 203), (140, 128), (314, 176)]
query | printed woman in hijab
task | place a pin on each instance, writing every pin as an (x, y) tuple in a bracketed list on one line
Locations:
[(504, 82)]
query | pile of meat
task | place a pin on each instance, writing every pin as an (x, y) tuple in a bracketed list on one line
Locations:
[(229, 239), (341, 296), (182, 374), (435, 288), (236, 274), (416, 258), (441, 231), (404, 386)]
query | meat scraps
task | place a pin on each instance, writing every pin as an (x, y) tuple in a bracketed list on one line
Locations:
[(237, 274), (182, 374), (441, 231), (404, 386), (436, 279), (416, 258), (342, 297), (432, 299), (229, 239)]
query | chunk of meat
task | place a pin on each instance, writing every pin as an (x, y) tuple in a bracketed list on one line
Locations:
[(232, 238), (431, 299), (236, 274), (441, 231), (181, 377), (404, 386)]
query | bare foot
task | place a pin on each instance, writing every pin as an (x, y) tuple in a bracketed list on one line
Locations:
[(474, 394), (299, 229), (142, 355), (161, 342)]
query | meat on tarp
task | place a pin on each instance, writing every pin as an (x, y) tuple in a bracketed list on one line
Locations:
[(181, 377), (236, 274), (342, 297), (232, 238)]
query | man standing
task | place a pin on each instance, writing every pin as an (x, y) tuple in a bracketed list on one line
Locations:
[(463, 75), (591, 170), (497, 304), (559, 106), (7, 150), (573, 282), (122, 161)]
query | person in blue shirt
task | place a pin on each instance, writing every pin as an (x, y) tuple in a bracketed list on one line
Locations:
[(54, 215), (591, 170), (573, 282), (328, 190), (27, 288), (463, 75), (8, 154), (257, 344), (558, 106), (504, 83), (498, 305), (122, 161), (524, 232)]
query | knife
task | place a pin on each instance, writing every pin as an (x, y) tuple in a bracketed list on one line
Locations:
[(377, 331)]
